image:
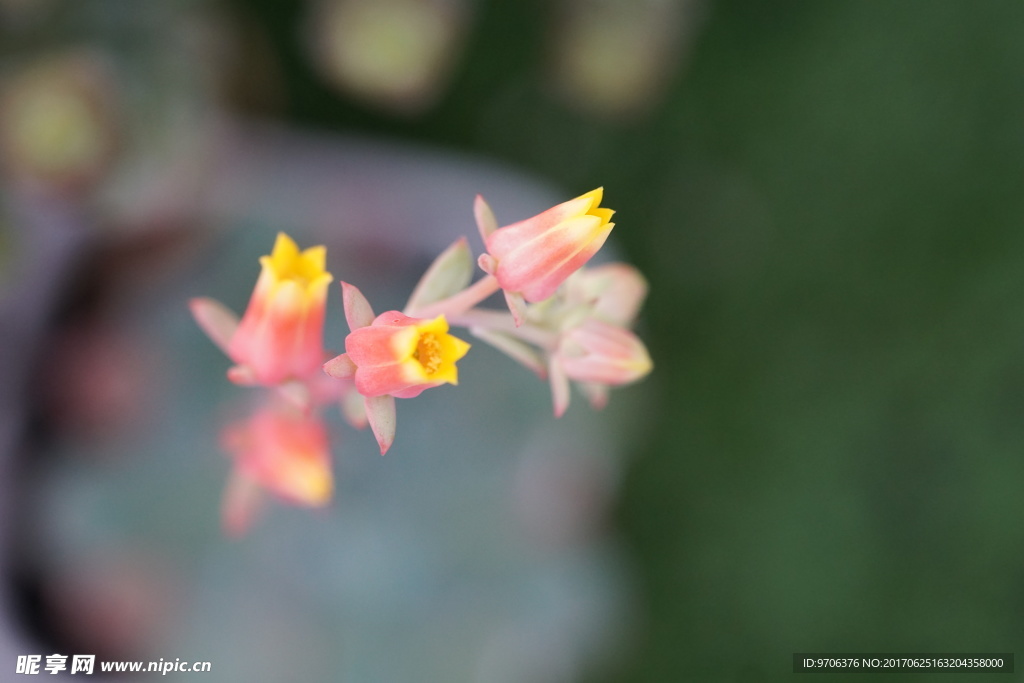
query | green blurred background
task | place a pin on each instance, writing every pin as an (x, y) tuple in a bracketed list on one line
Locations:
[(827, 200), (828, 203)]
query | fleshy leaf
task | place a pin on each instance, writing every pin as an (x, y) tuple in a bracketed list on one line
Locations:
[(486, 223), (297, 394), (216, 320), (340, 367), (486, 263), (380, 412), (559, 388), (517, 306), (353, 408), (447, 275), (358, 312), (596, 393)]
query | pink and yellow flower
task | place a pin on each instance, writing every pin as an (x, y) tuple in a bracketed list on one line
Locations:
[(280, 336), (393, 356), (602, 353), (286, 451), (403, 356), (278, 449), (597, 355), (614, 292), (534, 256)]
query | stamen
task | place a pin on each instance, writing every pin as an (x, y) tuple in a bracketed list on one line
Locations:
[(428, 353)]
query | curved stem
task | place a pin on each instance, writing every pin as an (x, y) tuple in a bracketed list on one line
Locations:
[(501, 321), (458, 304)]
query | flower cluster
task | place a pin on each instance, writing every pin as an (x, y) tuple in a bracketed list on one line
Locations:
[(567, 322)]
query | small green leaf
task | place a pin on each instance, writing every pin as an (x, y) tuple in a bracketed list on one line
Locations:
[(447, 275)]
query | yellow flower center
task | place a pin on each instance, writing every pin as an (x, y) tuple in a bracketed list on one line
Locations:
[(434, 352), (304, 268), (428, 352)]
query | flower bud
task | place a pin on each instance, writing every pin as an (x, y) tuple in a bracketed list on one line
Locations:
[(533, 257), (600, 353), (280, 336)]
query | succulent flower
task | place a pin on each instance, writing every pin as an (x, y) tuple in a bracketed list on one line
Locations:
[(534, 256), (280, 337), (393, 356)]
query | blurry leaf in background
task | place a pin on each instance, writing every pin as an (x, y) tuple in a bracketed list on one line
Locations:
[(57, 120), (19, 13), (396, 54), (614, 58)]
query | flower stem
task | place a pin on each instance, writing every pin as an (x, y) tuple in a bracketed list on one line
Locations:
[(501, 321), (458, 304)]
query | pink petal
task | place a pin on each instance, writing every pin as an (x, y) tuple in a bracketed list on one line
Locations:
[(380, 345), (395, 379)]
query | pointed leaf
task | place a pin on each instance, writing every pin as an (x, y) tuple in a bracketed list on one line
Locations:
[(242, 375), (515, 349), (447, 275), (297, 394), (216, 320), (380, 412), (596, 393), (358, 312), (353, 408), (340, 367), (517, 306), (486, 223), (559, 388)]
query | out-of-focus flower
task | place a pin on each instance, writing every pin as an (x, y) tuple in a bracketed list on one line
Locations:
[(598, 355), (281, 450), (393, 356), (21, 14), (614, 58), (57, 121), (581, 331), (280, 337), (602, 353), (393, 53), (534, 256), (613, 292)]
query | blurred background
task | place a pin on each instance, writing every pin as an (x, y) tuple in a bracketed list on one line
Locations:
[(825, 197)]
